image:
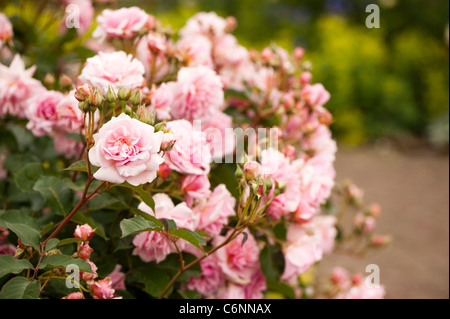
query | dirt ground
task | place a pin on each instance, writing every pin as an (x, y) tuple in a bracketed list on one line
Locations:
[(413, 190)]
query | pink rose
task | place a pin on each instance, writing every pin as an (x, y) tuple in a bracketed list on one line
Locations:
[(325, 226), (257, 285), (231, 291), (210, 280), (126, 150), (117, 278), (315, 95), (84, 252), (215, 211), (228, 53), (303, 251), (152, 245), (195, 51), (116, 69), (16, 87), (161, 99), (190, 153), (102, 289), (220, 135), (123, 23), (275, 165), (204, 23), (89, 277), (198, 94), (70, 117), (84, 232), (195, 187), (239, 262), (41, 112), (144, 54)]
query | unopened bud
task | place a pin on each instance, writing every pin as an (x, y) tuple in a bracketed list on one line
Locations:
[(83, 92), (164, 170), (49, 79), (135, 98), (160, 126), (128, 111), (238, 173), (231, 23), (84, 252), (111, 96), (65, 81), (168, 141), (251, 170), (95, 99), (123, 94), (298, 53), (84, 106)]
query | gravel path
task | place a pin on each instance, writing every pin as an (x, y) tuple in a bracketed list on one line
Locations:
[(413, 190)]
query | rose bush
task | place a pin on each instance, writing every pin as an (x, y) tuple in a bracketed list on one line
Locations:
[(170, 165)]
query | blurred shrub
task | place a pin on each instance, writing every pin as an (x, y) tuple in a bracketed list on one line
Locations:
[(379, 88)]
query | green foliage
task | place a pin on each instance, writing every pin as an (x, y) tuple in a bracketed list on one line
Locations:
[(20, 288)]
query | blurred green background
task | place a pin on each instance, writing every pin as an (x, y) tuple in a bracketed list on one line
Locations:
[(386, 82)]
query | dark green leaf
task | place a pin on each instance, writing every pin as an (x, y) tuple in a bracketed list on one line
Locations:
[(79, 166), (63, 261), (27, 235), (106, 200), (190, 236), (20, 288), (68, 241), (148, 217), (52, 244), (57, 195), (136, 225), (11, 265), (145, 196), (154, 280), (27, 176), (189, 294)]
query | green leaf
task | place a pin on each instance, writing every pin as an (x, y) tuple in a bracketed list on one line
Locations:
[(11, 265), (148, 217), (137, 224), (57, 195), (79, 166), (62, 261), (145, 196), (189, 294), (106, 200), (20, 288), (27, 176), (154, 280), (267, 266), (52, 244), (68, 241), (281, 287), (27, 235), (190, 236)]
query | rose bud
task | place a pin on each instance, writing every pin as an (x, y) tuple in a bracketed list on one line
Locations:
[(251, 170), (298, 53), (168, 141), (84, 252), (89, 277), (74, 295), (164, 170), (357, 279), (83, 92), (84, 232), (306, 77)]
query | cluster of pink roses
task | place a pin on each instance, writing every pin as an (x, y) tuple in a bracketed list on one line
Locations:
[(154, 78)]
